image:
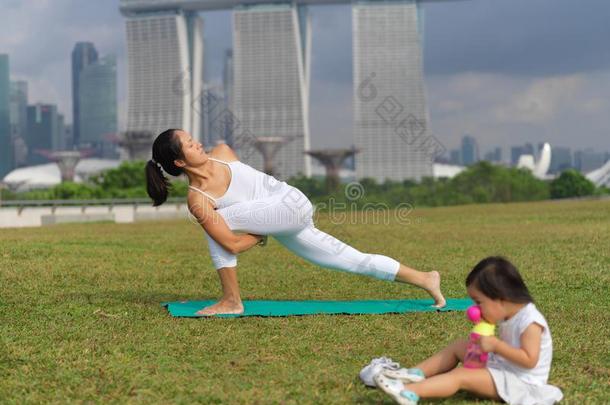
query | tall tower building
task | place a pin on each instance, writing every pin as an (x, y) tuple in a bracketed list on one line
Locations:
[(45, 132), (83, 54), (18, 120), (18, 107), (165, 71), (98, 106), (227, 84), (561, 159), (270, 98), (470, 150), (6, 144), (515, 153), (588, 160), (213, 117), (390, 113)]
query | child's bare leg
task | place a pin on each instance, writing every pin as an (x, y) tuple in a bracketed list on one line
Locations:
[(478, 382), (445, 360)]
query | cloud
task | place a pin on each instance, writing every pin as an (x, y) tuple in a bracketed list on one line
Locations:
[(517, 37), (541, 101), (507, 72), (566, 110)]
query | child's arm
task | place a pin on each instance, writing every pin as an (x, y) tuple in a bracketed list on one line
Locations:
[(525, 356)]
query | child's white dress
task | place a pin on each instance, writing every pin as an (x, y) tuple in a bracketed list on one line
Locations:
[(517, 385)]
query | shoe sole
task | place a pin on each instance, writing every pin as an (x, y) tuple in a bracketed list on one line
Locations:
[(387, 389)]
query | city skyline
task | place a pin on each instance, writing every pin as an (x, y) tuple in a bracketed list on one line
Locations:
[(562, 158), (499, 98)]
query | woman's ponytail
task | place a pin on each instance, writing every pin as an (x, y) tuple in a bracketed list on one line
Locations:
[(166, 149), (157, 185)]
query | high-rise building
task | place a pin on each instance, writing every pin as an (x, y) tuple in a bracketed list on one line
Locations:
[(69, 136), (515, 153), (390, 112), (213, 117), (498, 154), (98, 107), (6, 145), (18, 106), (270, 98), (455, 157), (45, 132), (561, 159), (227, 84), (588, 160), (83, 54), (494, 155), (526, 149), (165, 71), (470, 150), (18, 119), (59, 134)]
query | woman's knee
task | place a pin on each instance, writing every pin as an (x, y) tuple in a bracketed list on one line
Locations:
[(221, 261), (219, 255)]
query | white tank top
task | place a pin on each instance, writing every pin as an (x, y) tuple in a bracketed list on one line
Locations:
[(510, 331), (246, 184)]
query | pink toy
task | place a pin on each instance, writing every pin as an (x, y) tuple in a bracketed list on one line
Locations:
[(475, 357), (474, 313)]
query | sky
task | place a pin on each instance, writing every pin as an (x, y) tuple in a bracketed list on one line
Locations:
[(505, 72)]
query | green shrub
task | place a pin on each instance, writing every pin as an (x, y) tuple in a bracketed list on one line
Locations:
[(571, 183)]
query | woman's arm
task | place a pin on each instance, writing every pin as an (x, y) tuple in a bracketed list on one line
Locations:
[(525, 356), (246, 241), (215, 225)]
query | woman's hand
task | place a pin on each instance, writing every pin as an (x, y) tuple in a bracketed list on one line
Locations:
[(262, 239)]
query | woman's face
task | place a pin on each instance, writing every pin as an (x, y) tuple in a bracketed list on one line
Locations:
[(493, 311), (194, 154)]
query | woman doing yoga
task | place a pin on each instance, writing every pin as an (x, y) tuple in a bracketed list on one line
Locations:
[(228, 196)]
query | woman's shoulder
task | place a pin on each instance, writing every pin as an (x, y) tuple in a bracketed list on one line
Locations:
[(224, 152)]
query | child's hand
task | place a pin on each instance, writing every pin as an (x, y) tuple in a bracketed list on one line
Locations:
[(488, 343)]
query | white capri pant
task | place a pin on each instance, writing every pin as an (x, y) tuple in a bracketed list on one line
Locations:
[(288, 217)]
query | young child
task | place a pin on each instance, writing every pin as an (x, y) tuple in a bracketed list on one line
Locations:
[(519, 360)]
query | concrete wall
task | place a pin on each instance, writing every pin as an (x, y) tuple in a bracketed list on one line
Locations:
[(13, 217)]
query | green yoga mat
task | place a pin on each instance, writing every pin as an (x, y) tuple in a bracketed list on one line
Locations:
[(290, 308)]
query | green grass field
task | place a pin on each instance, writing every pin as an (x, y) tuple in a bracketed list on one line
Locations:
[(80, 318)]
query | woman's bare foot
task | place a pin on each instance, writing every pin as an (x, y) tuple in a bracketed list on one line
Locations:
[(429, 281), (433, 286), (222, 307)]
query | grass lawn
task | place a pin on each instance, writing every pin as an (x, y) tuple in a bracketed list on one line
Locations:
[(80, 319)]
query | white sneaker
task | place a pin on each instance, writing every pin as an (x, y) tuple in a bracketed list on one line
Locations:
[(375, 367), (406, 375), (396, 389)]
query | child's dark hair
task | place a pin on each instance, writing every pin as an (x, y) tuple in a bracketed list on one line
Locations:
[(498, 278)]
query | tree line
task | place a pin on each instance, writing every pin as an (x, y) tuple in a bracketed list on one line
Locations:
[(479, 183)]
